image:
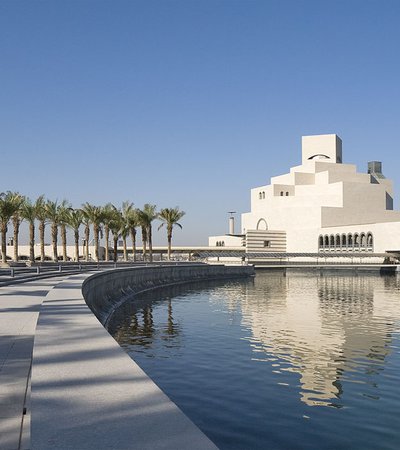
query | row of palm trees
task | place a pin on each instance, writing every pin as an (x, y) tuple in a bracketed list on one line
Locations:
[(102, 220)]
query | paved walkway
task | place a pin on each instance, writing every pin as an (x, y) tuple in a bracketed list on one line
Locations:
[(86, 392), (19, 309)]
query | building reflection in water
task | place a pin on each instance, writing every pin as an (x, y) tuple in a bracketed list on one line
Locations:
[(328, 330), (323, 328)]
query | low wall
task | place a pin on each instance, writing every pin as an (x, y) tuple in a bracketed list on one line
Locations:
[(105, 291)]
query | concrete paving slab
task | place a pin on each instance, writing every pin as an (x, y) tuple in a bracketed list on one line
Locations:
[(87, 393), (19, 309), (9, 434)]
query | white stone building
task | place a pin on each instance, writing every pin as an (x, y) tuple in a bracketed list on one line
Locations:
[(321, 205)]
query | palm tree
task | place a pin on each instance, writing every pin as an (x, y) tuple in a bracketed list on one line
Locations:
[(16, 220), (10, 202), (53, 214), (170, 218), (41, 216), (116, 224), (28, 212), (143, 227), (74, 219), (94, 214), (132, 222), (64, 216), (86, 222), (108, 212), (124, 232), (146, 217), (127, 212)]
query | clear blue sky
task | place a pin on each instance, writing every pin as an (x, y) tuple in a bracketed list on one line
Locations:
[(190, 103)]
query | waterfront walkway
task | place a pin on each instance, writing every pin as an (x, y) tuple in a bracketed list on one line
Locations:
[(86, 392), (19, 310)]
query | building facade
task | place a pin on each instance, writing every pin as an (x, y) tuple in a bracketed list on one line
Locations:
[(322, 205)]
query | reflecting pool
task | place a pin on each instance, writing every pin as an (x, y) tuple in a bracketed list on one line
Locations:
[(276, 362)]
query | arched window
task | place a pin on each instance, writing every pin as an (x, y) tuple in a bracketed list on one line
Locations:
[(326, 240), (337, 243), (281, 193), (344, 241), (321, 242), (260, 195), (370, 241), (350, 241), (262, 225), (332, 241), (356, 241), (287, 194), (263, 194), (363, 241)]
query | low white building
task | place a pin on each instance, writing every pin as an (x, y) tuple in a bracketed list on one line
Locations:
[(23, 252), (321, 205)]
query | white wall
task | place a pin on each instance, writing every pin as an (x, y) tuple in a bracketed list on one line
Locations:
[(325, 195), (23, 251), (229, 241)]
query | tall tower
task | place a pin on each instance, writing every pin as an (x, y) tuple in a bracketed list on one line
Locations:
[(231, 222)]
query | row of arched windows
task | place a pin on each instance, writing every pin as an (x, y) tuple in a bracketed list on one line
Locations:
[(220, 244), (284, 193), (350, 241)]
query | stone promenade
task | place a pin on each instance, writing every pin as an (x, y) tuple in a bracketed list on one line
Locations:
[(85, 391), (19, 309)]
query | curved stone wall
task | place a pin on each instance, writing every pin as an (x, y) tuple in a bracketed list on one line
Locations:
[(105, 291)]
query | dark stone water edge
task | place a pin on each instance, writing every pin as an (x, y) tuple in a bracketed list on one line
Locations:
[(104, 292)]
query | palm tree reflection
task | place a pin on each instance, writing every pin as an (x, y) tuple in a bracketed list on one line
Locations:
[(138, 328)]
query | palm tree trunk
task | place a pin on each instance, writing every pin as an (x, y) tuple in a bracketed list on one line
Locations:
[(64, 241), (107, 237), (96, 242), (41, 237), (144, 242), (87, 235), (76, 236), (4, 242), (169, 238), (32, 241), (150, 244), (133, 237), (125, 249), (54, 236), (16, 223), (115, 247)]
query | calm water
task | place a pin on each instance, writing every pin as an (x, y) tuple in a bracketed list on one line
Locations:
[(295, 362)]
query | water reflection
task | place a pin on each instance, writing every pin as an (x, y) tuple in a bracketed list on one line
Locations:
[(134, 324), (329, 330), (250, 360)]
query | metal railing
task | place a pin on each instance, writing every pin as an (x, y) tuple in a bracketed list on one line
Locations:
[(17, 274)]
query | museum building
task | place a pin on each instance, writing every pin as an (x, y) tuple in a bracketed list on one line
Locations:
[(323, 205)]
